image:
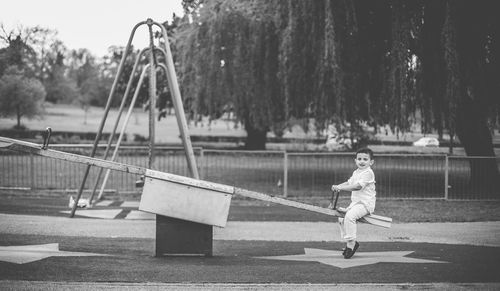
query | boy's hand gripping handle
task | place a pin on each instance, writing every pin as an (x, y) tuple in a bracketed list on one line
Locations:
[(333, 203)]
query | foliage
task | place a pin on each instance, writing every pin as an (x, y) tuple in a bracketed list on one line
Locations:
[(275, 61), (60, 88), (108, 70), (20, 96), (387, 62), (40, 55), (87, 77), (66, 75), (18, 51), (228, 57)]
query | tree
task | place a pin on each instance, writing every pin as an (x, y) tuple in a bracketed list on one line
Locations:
[(443, 65), (40, 54), (84, 102), (400, 63), (471, 36), (20, 96), (276, 61), (106, 72), (92, 79), (18, 52), (59, 86), (229, 55), (48, 50)]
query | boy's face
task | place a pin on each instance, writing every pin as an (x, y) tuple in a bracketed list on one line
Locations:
[(363, 161)]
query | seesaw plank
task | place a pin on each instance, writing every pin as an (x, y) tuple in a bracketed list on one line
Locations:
[(189, 181), (371, 219), (28, 147)]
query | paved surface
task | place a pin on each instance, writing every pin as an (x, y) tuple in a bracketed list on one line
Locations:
[(467, 233), (41, 285), (53, 252)]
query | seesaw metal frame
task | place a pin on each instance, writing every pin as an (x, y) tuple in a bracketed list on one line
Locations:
[(176, 98), (190, 184), (122, 132), (120, 111)]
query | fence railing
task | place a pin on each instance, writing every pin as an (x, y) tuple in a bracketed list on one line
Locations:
[(406, 176)]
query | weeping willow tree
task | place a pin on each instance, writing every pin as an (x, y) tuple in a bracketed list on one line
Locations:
[(274, 61), (443, 66), (471, 37), (390, 62), (229, 57)]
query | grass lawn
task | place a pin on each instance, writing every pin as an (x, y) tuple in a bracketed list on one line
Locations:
[(72, 118)]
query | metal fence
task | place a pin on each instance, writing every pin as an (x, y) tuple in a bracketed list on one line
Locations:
[(405, 176)]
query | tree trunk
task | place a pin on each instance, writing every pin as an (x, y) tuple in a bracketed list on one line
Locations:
[(85, 116), (18, 118), (256, 139), (475, 137)]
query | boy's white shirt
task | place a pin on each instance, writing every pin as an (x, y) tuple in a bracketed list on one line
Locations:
[(367, 194)]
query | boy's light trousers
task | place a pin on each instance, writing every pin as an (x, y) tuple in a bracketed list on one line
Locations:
[(348, 224)]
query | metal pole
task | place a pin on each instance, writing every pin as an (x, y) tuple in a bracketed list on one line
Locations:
[(124, 126), (106, 111), (179, 108), (285, 174), (203, 164), (32, 171), (152, 94), (120, 111), (127, 118), (446, 174)]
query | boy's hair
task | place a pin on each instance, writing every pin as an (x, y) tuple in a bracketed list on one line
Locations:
[(365, 151)]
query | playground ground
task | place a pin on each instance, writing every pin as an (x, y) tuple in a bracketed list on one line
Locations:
[(264, 246), (111, 246)]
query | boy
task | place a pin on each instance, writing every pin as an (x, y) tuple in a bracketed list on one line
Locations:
[(362, 185)]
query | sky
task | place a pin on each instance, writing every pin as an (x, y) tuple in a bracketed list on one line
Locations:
[(92, 24)]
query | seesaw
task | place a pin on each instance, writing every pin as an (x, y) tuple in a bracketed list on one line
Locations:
[(179, 197)]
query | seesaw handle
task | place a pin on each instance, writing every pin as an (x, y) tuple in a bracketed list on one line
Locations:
[(334, 202)]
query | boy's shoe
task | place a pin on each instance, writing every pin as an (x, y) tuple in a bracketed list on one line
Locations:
[(348, 253), (343, 250)]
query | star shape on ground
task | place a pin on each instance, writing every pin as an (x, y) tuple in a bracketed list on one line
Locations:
[(335, 258), (31, 253)]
